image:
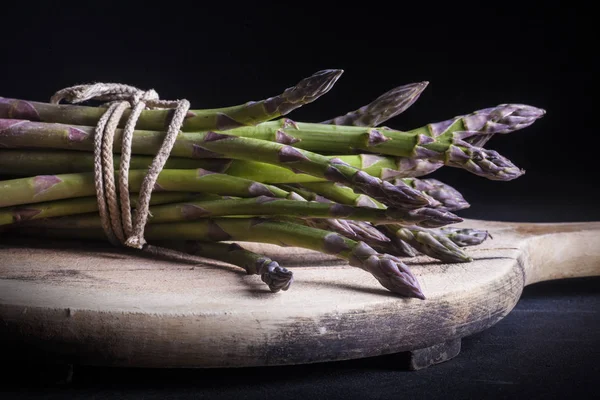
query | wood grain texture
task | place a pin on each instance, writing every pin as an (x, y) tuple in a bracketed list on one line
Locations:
[(91, 304)]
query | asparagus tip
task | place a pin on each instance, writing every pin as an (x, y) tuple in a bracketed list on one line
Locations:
[(306, 91), (390, 271)]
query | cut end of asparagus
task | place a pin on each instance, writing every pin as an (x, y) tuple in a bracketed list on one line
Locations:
[(306, 91), (390, 271), (275, 276)]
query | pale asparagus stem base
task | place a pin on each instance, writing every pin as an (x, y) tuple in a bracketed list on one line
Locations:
[(390, 271), (250, 113), (217, 145)]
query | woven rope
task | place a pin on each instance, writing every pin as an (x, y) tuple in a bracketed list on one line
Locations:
[(113, 205)]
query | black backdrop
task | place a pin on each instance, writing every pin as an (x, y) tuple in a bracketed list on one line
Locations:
[(475, 56), (221, 53)]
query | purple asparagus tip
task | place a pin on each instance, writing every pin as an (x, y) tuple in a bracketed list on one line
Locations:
[(390, 271), (447, 196), (434, 218), (486, 163)]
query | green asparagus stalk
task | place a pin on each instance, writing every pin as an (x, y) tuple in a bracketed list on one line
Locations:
[(44, 188), (28, 162), (271, 273), (341, 194), (251, 113), (41, 162), (390, 271), (262, 206), (84, 205), (465, 236), (383, 108), (217, 145)]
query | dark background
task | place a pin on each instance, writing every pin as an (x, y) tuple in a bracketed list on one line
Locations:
[(221, 53)]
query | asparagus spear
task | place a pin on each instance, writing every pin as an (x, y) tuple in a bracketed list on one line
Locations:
[(465, 236), (251, 113), (345, 195), (217, 145), (390, 271), (29, 162), (263, 205), (383, 108), (271, 273), (43, 188)]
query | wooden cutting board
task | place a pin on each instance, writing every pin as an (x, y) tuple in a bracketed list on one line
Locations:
[(88, 303)]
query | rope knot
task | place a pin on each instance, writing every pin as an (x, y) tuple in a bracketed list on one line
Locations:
[(115, 212), (109, 92)]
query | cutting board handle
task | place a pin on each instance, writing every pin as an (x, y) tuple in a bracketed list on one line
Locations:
[(559, 251)]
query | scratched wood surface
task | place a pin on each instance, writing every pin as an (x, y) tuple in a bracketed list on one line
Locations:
[(91, 304)]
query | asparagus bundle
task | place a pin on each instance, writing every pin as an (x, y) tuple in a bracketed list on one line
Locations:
[(343, 186)]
